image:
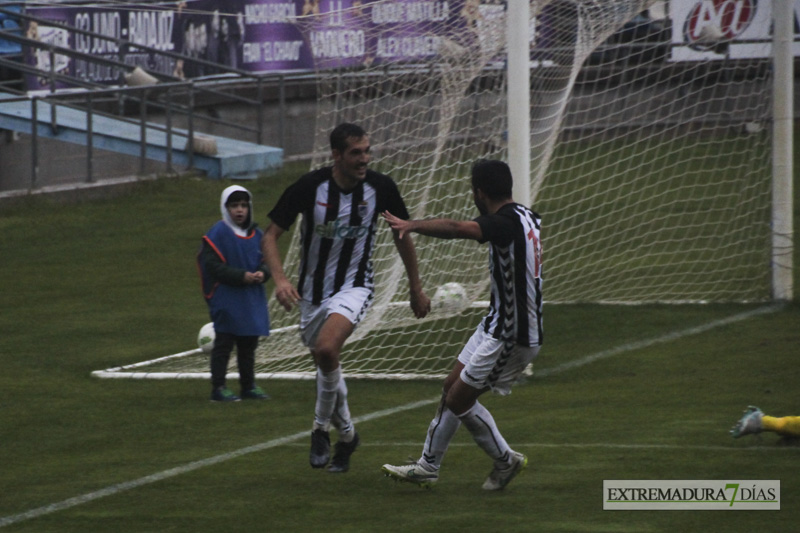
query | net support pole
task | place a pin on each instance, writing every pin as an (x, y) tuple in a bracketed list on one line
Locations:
[(782, 124), (519, 95)]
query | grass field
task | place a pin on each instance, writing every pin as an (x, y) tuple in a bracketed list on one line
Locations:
[(644, 392)]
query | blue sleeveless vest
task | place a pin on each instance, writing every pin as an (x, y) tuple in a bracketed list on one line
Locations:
[(239, 310)]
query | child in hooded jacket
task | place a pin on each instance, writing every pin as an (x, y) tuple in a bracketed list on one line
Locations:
[(233, 276)]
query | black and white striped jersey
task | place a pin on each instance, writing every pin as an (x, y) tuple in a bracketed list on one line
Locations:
[(515, 266), (338, 229)]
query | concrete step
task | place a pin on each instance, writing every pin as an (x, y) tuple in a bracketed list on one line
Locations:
[(234, 159)]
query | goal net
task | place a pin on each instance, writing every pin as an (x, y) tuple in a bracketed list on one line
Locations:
[(652, 175)]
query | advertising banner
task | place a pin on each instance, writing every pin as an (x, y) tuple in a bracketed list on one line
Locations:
[(249, 35), (716, 29)]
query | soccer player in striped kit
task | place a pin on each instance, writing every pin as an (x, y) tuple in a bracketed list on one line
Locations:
[(340, 205), (508, 337)]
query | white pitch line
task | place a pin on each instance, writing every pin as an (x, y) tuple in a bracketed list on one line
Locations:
[(605, 445), (612, 446), (190, 467), (657, 340), (196, 465)]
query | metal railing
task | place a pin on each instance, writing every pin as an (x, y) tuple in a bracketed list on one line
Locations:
[(171, 100)]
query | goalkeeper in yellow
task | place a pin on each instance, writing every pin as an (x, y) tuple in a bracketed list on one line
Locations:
[(755, 421)]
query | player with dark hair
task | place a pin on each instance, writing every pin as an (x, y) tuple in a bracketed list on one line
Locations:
[(506, 340), (340, 205), (339, 137)]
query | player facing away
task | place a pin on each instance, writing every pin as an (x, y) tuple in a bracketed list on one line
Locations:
[(340, 205), (233, 276), (506, 340), (755, 421)]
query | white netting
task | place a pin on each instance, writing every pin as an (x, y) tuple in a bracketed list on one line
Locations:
[(652, 177)]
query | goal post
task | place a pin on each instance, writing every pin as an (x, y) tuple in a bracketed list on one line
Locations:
[(519, 97), (782, 164), (653, 173)]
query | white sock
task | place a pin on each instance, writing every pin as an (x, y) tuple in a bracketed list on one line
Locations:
[(480, 423), (440, 432), (327, 390), (341, 414)]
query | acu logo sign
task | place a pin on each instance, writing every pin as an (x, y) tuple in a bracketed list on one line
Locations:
[(710, 21)]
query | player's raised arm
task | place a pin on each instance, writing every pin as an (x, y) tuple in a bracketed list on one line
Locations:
[(442, 228)]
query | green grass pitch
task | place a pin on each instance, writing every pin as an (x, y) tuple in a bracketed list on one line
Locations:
[(102, 283)]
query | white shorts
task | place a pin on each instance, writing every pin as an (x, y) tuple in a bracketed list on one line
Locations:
[(486, 364), (351, 303)]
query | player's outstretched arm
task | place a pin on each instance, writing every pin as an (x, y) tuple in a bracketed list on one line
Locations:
[(442, 228), (285, 292)]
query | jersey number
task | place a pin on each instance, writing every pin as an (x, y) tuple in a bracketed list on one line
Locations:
[(537, 253)]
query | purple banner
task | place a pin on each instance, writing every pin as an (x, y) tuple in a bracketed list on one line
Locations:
[(250, 35), (138, 24)]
